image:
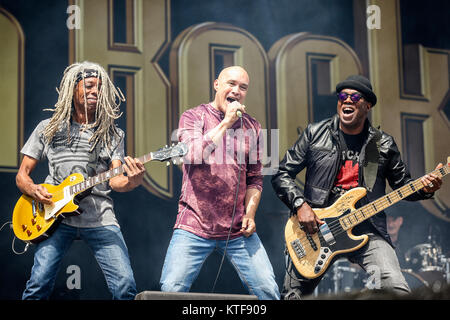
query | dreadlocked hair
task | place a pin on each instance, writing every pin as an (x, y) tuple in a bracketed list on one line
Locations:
[(107, 110)]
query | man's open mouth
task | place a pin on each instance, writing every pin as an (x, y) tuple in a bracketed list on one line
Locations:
[(230, 100), (347, 110)]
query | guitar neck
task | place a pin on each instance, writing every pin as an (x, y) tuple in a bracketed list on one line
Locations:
[(104, 176), (355, 217)]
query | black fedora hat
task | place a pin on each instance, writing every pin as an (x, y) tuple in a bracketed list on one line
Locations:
[(360, 83)]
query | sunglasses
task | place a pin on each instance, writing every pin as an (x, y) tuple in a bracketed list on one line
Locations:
[(355, 97)]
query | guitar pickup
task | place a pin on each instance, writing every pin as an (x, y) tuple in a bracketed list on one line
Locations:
[(326, 234), (33, 205), (298, 248), (311, 242), (310, 239), (36, 206)]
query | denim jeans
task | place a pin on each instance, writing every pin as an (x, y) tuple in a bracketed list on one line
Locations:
[(187, 252), (377, 257), (109, 249)]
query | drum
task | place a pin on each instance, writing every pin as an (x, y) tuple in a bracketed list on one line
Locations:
[(433, 279), (426, 261), (424, 257), (413, 279)]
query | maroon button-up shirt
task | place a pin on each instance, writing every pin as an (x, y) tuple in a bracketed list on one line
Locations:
[(211, 172)]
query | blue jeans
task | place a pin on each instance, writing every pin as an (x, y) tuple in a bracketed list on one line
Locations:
[(110, 251), (377, 257), (187, 253)]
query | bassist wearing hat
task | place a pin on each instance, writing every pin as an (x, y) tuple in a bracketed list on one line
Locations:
[(339, 154)]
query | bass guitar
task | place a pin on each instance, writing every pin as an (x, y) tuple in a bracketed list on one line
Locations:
[(33, 221), (312, 254)]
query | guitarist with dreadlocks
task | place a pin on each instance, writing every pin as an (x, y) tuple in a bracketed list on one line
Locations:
[(81, 136)]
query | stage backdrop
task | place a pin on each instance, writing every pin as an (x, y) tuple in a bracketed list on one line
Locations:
[(164, 55)]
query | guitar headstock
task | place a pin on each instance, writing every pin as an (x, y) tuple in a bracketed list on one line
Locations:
[(173, 152)]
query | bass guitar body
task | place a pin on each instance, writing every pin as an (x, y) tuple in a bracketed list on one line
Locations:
[(312, 254)]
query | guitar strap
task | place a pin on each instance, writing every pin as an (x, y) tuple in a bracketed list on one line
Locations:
[(372, 155)]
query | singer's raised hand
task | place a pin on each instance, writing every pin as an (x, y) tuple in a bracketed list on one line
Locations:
[(231, 115)]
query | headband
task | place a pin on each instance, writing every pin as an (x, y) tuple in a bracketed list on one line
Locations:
[(87, 73)]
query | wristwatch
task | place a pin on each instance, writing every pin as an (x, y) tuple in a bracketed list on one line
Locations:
[(298, 203)]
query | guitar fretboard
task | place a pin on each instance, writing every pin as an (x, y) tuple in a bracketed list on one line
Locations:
[(104, 176), (354, 218)]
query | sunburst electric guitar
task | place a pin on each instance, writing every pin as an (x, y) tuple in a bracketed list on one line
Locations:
[(34, 221), (312, 254)]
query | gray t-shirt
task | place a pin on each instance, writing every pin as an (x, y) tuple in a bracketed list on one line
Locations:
[(66, 158)]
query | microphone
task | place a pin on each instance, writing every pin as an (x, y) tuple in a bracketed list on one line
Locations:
[(239, 113)]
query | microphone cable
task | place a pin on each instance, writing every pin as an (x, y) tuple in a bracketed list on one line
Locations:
[(232, 216), (12, 244)]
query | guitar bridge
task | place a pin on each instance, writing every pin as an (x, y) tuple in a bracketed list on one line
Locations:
[(298, 248)]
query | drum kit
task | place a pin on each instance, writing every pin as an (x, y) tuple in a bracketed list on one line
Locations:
[(342, 277), (426, 266)]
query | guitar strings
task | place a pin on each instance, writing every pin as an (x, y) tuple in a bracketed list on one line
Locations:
[(115, 171), (335, 226), (383, 202)]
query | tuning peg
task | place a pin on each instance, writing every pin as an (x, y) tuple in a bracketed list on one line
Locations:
[(173, 144), (174, 161), (181, 160), (168, 163), (166, 146)]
